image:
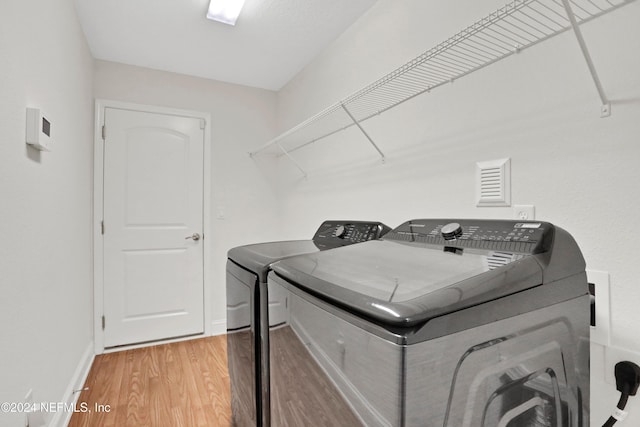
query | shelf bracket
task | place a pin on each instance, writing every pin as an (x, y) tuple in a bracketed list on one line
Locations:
[(357, 123), (605, 110), (286, 153)]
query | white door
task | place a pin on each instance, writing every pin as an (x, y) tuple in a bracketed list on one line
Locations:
[(153, 222)]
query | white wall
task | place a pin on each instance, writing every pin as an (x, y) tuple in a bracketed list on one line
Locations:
[(540, 108), (242, 118), (45, 202)]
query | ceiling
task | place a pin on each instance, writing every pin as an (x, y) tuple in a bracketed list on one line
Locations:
[(271, 42)]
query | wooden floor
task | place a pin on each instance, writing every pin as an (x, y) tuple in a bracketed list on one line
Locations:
[(178, 384)]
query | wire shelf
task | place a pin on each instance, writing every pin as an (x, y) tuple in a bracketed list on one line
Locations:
[(512, 28)]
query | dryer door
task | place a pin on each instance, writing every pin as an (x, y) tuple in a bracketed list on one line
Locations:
[(241, 344)]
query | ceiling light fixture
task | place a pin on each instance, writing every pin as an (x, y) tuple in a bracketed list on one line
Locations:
[(225, 11)]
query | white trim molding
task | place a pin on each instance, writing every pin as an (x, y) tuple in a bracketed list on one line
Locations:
[(71, 394), (219, 327)]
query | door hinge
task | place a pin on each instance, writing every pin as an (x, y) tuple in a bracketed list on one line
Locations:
[(102, 227), (103, 323), (203, 123), (104, 132)]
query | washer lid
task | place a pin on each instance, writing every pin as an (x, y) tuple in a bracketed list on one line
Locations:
[(406, 283), (259, 257)]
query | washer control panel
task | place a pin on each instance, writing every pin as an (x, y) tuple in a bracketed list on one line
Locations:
[(519, 236), (333, 234)]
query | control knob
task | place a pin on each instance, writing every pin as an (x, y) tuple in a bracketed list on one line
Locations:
[(451, 231), (340, 232)]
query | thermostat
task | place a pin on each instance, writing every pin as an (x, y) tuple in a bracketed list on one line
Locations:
[(38, 130)]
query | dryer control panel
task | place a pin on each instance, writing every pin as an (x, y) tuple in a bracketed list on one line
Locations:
[(516, 236), (336, 233)]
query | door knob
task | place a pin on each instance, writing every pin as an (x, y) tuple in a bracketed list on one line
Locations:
[(194, 236)]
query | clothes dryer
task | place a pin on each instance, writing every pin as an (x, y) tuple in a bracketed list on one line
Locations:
[(251, 309)]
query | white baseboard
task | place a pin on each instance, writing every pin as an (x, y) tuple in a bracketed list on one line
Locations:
[(219, 327), (62, 418)]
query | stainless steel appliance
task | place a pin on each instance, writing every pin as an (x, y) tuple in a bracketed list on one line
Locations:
[(440, 323), (250, 309)]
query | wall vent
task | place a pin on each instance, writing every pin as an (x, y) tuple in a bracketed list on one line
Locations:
[(493, 183)]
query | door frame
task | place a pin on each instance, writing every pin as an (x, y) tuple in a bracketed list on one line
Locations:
[(98, 199)]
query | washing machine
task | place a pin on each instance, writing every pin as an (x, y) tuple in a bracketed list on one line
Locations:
[(442, 322), (251, 309)]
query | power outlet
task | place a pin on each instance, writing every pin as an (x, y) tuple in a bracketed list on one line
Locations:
[(28, 400), (524, 212), (601, 331), (33, 416)]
